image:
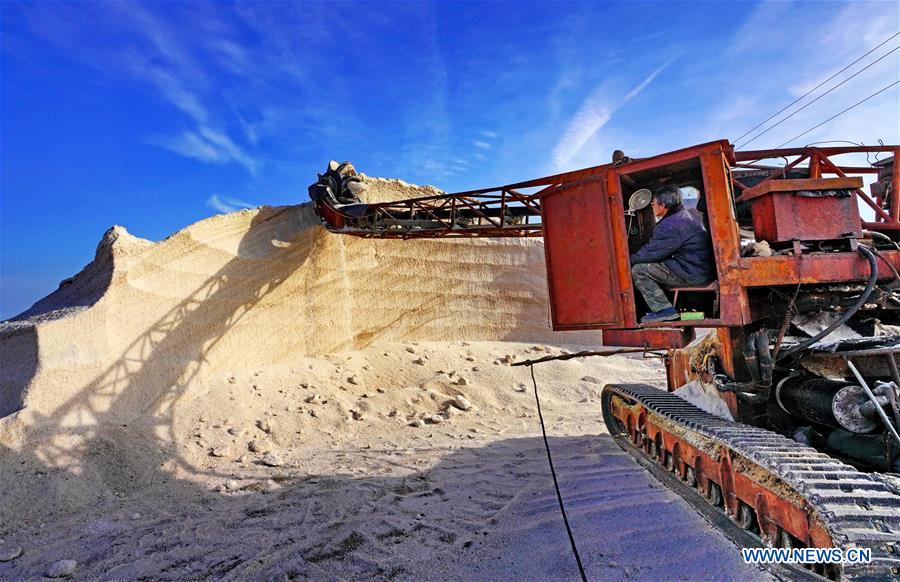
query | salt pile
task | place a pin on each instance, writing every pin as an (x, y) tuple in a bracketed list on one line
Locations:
[(254, 397), (250, 289)]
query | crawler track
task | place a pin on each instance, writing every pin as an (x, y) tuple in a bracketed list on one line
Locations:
[(776, 490)]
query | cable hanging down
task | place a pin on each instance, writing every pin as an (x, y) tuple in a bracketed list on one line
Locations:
[(562, 508), (754, 128)]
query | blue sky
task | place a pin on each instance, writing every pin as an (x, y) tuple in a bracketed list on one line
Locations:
[(156, 115)]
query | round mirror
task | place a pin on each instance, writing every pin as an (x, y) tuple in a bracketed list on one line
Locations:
[(640, 199)]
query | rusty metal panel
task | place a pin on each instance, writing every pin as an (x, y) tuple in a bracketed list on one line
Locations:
[(658, 339), (812, 268), (329, 215), (783, 217), (620, 240), (796, 185), (581, 257), (734, 308)]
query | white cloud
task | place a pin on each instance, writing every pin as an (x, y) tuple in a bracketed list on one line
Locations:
[(155, 55), (230, 55), (225, 204), (207, 145), (251, 131), (590, 118), (595, 112), (175, 93), (150, 52), (765, 25), (643, 84), (482, 144), (231, 150), (490, 134), (435, 168), (191, 145), (428, 134)]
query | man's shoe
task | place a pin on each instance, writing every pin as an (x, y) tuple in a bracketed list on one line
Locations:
[(667, 314)]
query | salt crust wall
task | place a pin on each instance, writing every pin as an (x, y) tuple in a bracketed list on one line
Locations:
[(253, 288)]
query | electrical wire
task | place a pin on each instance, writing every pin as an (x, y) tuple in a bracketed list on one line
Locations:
[(786, 162), (860, 144), (816, 87), (773, 126), (890, 265), (562, 508), (884, 238), (880, 91), (880, 142)]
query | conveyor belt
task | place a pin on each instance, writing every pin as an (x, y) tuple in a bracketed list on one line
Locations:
[(504, 213)]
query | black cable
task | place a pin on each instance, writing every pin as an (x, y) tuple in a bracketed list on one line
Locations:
[(890, 265), (562, 507), (870, 286), (839, 114), (860, 145), (773, 126), (882, 237), (816, 87), (786, 162)]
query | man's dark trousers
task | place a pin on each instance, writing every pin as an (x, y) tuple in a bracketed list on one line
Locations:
[(648, 278)]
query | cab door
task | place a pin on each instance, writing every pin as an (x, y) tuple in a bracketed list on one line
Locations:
[(582, 257)]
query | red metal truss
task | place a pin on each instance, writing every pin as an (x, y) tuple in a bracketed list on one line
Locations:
[(500, 212), (506, 211), (819, 163)]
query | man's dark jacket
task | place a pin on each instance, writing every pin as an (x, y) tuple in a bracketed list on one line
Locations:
[(681, 243)]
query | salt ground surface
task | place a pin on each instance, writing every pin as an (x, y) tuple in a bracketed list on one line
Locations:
[(256, 398)]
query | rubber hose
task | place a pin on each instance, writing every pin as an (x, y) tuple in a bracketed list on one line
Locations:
[(870, 286), (759, 343), (751, 358), (766, 362), (890, 266), (882, 237)]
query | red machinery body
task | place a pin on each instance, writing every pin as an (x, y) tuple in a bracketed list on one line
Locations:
[(587, 250), (572, 213), (785, 211)]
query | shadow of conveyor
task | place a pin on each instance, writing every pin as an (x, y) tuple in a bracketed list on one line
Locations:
[(147, 380), (23, 342), (482, 513)]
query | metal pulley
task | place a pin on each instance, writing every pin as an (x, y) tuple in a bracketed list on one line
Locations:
[(833, 403)]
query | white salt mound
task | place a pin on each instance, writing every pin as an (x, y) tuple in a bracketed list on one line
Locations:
[(255, 398), (127, 334), (705, 398)]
